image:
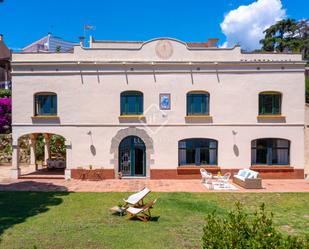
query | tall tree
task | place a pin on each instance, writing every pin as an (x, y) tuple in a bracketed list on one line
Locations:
[(287, 35), (303, 27)]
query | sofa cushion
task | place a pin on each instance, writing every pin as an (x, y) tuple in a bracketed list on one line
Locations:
[(241, 172), (253, 174), (240, 177), (250, 175), (247, 173)]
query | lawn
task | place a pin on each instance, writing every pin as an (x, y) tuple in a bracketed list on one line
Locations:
[(82, 220)]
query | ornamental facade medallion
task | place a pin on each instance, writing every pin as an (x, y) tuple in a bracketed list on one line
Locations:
[(164, 49)]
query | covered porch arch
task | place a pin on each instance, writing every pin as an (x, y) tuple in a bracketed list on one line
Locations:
[(43, 154)]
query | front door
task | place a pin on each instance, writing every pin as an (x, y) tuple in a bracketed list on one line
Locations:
[(132, 159)]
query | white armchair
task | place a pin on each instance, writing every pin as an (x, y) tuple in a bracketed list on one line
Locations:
[(224, 180), (205, 175)]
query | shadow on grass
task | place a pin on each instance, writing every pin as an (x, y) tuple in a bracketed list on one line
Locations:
[(152, 219), (17, 206)]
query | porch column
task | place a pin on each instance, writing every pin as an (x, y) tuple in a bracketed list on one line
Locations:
[(67, 172), (6, 76), (46, 148), (15, 170), (33, 151)]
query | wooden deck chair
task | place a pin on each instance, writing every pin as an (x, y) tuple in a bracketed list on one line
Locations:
[(142, 213), (137, 199)]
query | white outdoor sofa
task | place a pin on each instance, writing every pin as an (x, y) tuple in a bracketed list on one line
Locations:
[(247, 178)]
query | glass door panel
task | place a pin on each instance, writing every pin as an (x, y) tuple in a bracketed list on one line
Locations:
[(132, 156), (125, 161)]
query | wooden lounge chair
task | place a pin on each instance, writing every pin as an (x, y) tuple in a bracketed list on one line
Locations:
[(142, 213), (137, 199)]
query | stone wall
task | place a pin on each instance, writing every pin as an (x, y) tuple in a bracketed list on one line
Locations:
[(24, 149), (6, 149)]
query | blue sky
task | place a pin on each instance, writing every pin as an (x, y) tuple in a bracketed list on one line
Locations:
[(22, 22)]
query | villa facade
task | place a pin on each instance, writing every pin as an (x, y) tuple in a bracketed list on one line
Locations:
[(164, 108)]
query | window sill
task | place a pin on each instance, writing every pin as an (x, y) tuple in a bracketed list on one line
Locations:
[(192, 169), (46, 117), (272, 168), (271, 119), (198, 119), (199, 116), (132, 119), (131, 116), (270, 116)]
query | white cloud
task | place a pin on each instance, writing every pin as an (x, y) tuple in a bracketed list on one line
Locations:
[(245, 25)]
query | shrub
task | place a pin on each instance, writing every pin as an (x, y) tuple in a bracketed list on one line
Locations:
[(5, 93), (40, 147), (243, 230), (57, 146)]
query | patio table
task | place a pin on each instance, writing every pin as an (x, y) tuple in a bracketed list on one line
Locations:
[(213, 179)]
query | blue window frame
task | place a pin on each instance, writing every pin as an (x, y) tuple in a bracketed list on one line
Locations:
[(270, 103), (197, 151), (45, 104), (131, 103), (198, 103), (270, 151)]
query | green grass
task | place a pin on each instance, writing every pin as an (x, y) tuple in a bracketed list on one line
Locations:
[(82, 220)]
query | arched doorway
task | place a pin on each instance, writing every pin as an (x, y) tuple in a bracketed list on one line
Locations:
[(41, 155), (132, 156)]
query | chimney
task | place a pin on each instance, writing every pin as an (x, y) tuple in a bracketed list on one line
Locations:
[(212, 42), (81, 40), (91, 41)]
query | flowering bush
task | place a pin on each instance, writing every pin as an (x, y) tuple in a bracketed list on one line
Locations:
[(5, 115)]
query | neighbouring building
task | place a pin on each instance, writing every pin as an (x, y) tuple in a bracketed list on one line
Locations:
[(164, 108), (5, 65), (49, 43)]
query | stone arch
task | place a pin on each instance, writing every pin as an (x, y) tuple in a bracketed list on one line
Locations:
[(132, 131), (31, 136)]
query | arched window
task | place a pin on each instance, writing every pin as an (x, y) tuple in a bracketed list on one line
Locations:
[(269, 103), (197, 103), (270, 151), (131, 103), (45, 104), (197, 151)]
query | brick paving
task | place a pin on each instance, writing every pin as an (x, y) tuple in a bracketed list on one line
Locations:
[(133, 185)]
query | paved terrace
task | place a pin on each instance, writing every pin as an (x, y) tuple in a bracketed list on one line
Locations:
[(133, 185)]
